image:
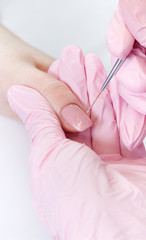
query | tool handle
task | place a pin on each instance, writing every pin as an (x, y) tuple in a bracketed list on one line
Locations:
[(113, 71)]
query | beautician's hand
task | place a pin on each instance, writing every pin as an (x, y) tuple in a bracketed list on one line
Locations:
[(22, 64), (127, 38), (127, 26), (77, 195)]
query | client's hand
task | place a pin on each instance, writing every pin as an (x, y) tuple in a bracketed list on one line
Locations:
[(22, 64), (77, 195), (127, 38)]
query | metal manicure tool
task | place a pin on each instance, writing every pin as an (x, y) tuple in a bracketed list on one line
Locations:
[(109, 77)]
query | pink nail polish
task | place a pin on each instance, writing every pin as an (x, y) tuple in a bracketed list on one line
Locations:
[(76, 117)]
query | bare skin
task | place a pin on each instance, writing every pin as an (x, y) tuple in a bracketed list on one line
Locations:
[(22, 64)]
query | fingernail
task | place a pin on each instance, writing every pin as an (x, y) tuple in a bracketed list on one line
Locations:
[(76, 117)]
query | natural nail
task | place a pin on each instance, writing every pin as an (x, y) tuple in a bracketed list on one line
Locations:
[(76, 117)]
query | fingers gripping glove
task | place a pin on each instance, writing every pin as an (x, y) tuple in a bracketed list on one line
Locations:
[(126, 38), (127, 25), (76, 194), (85, 75)]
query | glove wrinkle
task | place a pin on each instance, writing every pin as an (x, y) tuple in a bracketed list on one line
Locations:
[(80, 193)]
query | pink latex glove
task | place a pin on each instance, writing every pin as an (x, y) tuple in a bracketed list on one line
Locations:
[(127, 38), (78, 194), (127, 25)]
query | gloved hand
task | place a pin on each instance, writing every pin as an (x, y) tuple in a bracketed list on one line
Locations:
[(127, 38), (77, 193), (127, 25)]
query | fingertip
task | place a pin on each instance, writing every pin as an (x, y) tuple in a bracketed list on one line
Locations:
[(13, 94), (24, 100), (36, 113), (15, 99), (74, 53), (119, 39)]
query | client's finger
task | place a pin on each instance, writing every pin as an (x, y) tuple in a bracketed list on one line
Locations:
[(70, 69), (69, 109)]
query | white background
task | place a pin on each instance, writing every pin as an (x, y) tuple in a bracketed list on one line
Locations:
[(49, 25)]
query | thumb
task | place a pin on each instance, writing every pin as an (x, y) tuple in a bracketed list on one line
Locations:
[(37, 115), (119, 39)]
